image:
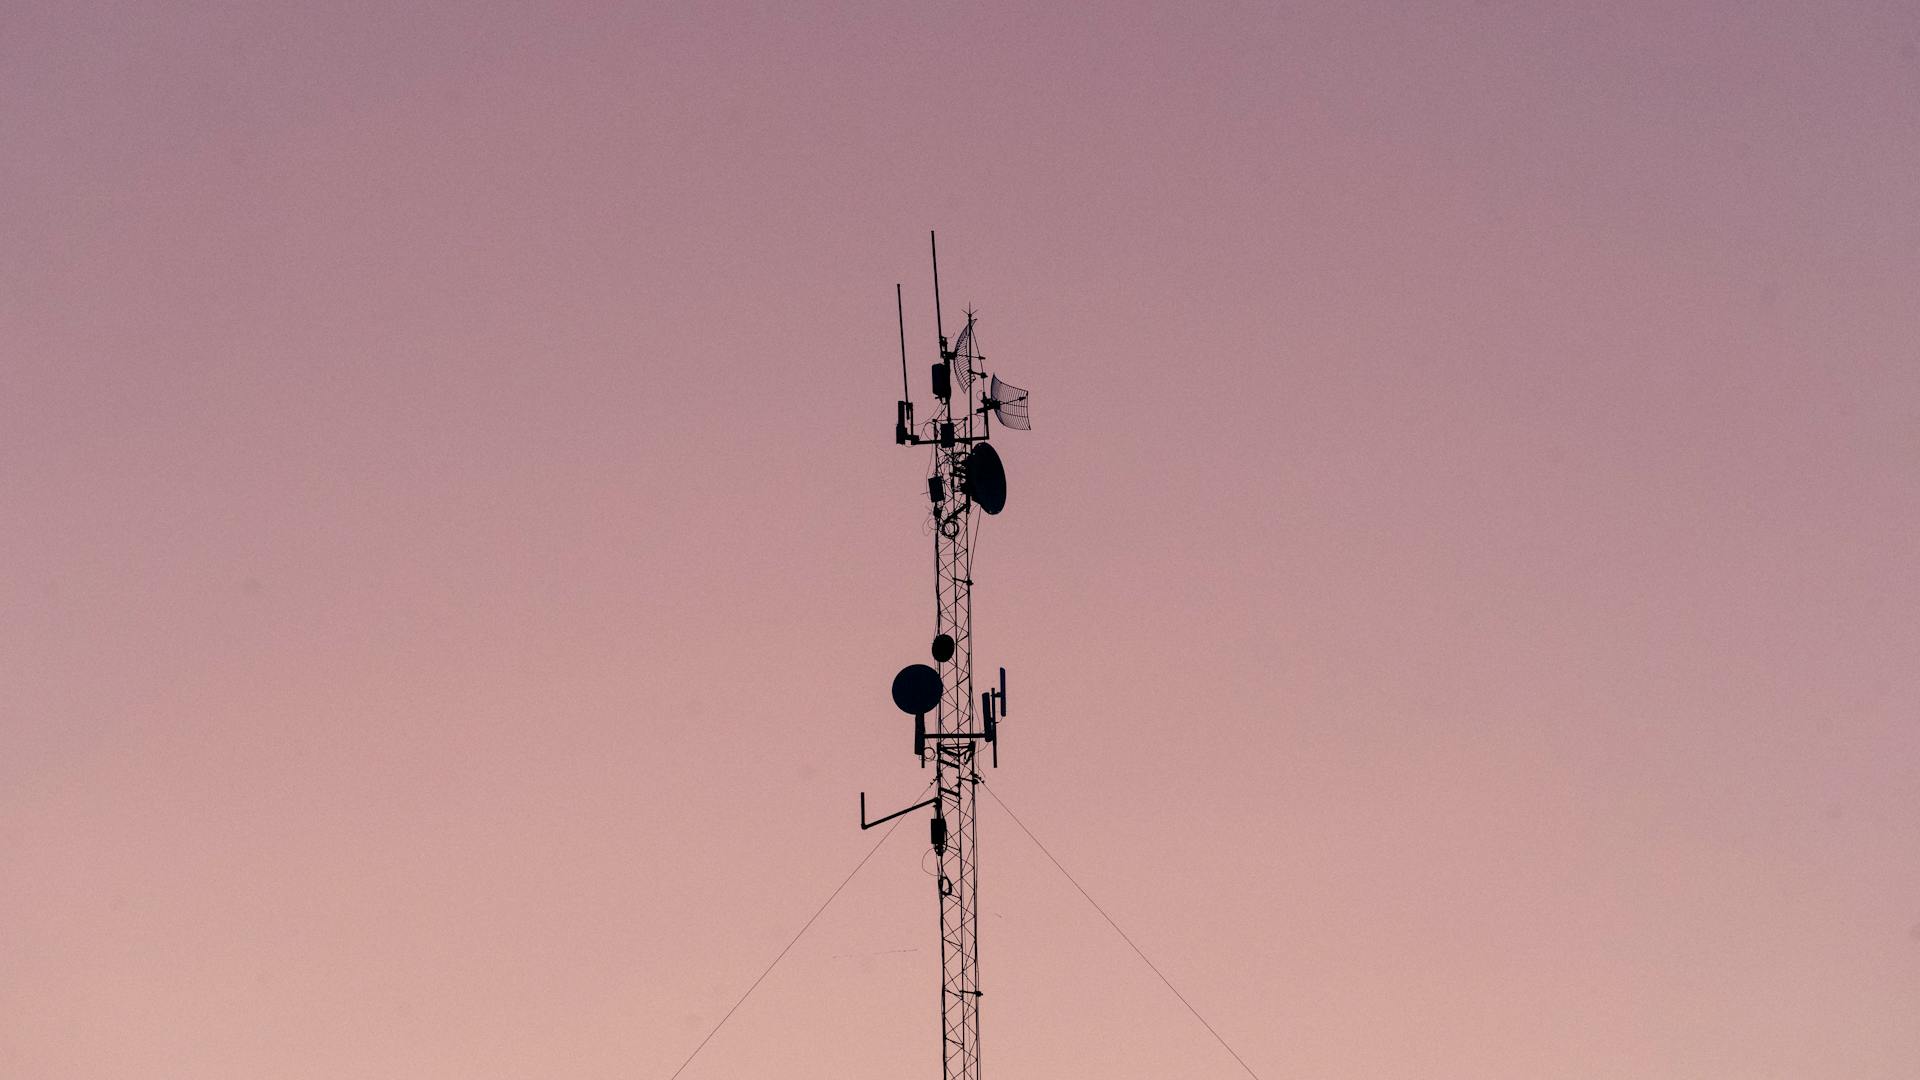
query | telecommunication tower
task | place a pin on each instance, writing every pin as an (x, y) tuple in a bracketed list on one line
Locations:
[(965, 474)]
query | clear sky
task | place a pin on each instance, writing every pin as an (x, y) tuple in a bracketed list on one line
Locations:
[(1459, 588)]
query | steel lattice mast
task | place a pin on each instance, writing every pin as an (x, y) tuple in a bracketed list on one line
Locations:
[(965, 475), (954, 774)]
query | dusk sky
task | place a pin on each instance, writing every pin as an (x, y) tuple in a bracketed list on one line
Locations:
[(1459, 591)]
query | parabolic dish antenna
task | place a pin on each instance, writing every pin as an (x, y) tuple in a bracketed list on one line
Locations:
[(1009, 403), (943, 648), (986, 482), (917, 689)]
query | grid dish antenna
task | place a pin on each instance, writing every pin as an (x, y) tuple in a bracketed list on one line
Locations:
[(1009, 403)]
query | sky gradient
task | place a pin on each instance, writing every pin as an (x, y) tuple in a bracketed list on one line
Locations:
[(1459, 589)]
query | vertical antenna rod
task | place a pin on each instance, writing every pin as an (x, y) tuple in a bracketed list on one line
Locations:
[(938, 328), (900, 306)]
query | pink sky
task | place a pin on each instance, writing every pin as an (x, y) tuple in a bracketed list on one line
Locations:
[(1459, 590)]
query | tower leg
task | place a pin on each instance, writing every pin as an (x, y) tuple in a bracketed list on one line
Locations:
[(959, 917)]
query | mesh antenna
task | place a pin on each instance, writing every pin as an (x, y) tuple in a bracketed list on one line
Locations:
[(963, 351), (1009, 403)]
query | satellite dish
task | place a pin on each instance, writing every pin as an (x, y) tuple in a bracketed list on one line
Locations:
[(942, 649), (986, 482), (917, 689), (1009, 403)]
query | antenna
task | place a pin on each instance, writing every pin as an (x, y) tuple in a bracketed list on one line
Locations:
[(986, 479), (949, 721), (903, 414), (1008, 402), (938, 328), (900, 308)]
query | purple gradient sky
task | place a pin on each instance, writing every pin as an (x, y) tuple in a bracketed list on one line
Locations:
[(1460, 589)]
